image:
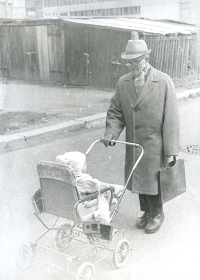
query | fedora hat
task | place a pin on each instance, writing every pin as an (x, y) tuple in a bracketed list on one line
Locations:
[(134, 49)]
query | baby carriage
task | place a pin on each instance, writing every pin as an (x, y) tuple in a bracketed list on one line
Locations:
[(81, 241)]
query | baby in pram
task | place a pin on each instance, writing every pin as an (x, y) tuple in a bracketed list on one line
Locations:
[(85, 183), (95, 209)]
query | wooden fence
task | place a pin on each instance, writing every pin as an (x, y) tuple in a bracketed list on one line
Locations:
[(173, 54), (195, 54)]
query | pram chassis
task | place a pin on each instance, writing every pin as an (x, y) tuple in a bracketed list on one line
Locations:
[(72, 239)]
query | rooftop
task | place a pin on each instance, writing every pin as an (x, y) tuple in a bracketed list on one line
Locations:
[(145, 26), (137, 24)]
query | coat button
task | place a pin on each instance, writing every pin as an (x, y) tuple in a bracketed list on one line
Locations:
[(136, 109), (137, 127)]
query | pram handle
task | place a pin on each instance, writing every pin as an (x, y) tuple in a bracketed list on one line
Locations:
[(121, 142), (134, 166), (114, 141)]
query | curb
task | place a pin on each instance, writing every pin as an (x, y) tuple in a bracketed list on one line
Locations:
[(191, 93), (37, 136), (44, 134)]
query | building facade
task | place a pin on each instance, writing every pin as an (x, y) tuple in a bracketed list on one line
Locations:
[(179, 10), (12, 9), (34, 8)]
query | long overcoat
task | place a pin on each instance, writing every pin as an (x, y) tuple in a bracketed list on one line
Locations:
[(151, 119)]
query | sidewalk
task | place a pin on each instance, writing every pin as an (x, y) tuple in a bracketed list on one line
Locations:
[(77, 105)]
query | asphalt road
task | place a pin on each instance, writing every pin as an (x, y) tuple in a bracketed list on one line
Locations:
[(171, 253)]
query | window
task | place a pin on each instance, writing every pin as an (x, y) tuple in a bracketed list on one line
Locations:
[(117, 12), (64, 14), (103, 12), (86, 13), (135, 10), (54, 3), (126, 11), (112, 13)]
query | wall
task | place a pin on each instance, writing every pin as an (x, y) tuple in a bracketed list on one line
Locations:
[(85, 55), (31, 52), (65, 53), (161, 11), (92, 58)]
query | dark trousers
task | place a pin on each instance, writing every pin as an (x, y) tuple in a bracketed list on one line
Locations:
[(151, 204)]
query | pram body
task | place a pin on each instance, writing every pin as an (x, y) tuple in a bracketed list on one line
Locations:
[(82, 241)]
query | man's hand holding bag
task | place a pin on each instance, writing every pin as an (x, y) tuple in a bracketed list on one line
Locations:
[(172, 179)]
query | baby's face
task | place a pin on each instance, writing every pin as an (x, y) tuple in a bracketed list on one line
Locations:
[(84, 167)]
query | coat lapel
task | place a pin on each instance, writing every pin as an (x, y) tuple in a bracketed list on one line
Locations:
[(148, 86)]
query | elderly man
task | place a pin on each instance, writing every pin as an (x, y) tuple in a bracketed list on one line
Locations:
[(145, 104)]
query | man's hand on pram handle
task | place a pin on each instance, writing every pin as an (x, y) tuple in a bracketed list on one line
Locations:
[(107, 140)]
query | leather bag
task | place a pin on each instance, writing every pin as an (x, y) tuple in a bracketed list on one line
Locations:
[(172, 179)]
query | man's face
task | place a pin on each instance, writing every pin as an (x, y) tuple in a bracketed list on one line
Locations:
[(136, 66)]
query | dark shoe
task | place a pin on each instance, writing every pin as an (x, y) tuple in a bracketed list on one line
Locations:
[(143, 220), (155, 223)]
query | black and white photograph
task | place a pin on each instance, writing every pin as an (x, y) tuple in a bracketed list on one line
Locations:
[(99, 139)]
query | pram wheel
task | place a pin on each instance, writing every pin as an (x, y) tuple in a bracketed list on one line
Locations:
[(121, 253), (64, 235), (86, 271), (25, 256)]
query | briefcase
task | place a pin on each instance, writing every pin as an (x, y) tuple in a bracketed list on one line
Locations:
[(172, 179)]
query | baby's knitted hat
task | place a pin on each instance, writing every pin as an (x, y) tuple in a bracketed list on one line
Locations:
[(74, 159)]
